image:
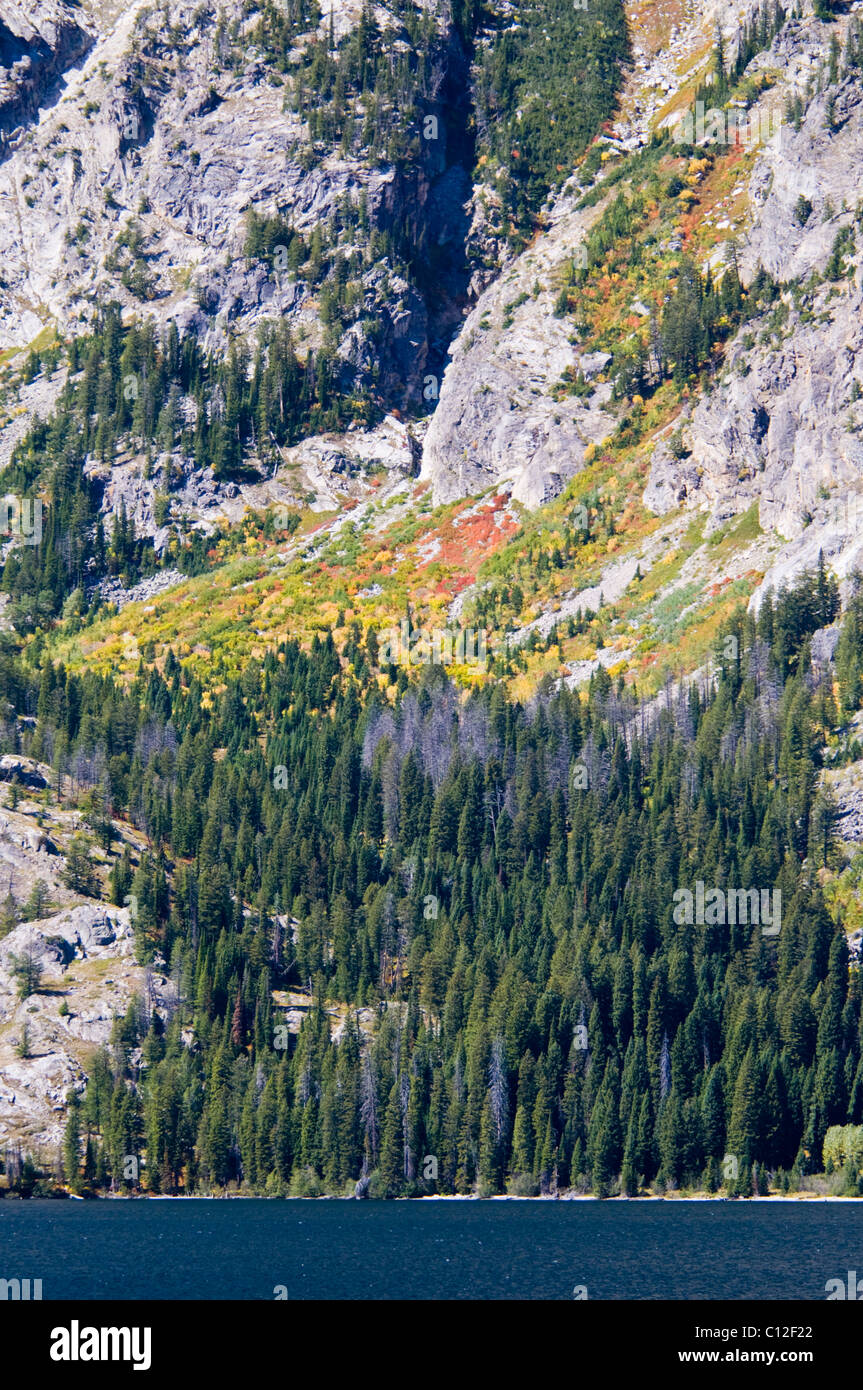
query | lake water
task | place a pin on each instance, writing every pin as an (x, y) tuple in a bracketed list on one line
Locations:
[(469, 1249)]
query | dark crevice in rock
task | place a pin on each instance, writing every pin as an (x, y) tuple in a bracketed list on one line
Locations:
[(31, 66)]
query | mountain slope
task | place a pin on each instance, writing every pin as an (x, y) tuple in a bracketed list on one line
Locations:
[(324, 323)]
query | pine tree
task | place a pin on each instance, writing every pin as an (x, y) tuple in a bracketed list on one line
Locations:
[(72, 1143), (392, 1159)]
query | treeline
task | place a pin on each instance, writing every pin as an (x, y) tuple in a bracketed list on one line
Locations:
[(277, 30), (544, 86), (337, 275), (757, 35), (523, 99), (368, 93), (475, 899), (700, 311), (128, 387), (698, 315), (786, 619)]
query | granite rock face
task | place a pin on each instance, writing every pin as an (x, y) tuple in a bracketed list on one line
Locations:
[(150, 128), (86, 958), (38, 43), (498, 420), (782, 428)]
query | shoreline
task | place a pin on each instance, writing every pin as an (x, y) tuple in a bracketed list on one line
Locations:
[(807, 1197)]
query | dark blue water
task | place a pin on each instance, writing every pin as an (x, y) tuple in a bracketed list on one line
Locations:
[(358, 1250)]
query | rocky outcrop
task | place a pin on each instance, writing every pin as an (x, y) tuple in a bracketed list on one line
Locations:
[(86, 958), (38, 43), (781, 426), (662, 51), (323, 471), (112, 591), (34, 400), (25, 771), (500, 420), (183, 151)]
